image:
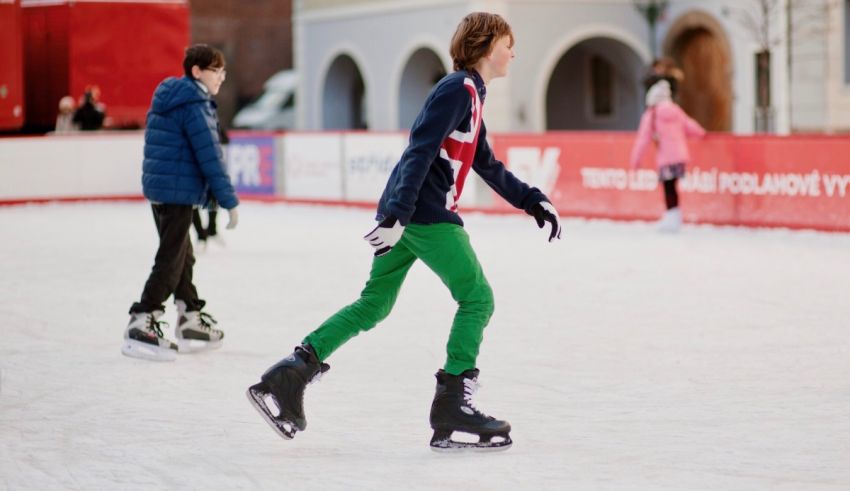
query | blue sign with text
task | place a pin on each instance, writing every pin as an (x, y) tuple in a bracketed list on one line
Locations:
[(250, 163)]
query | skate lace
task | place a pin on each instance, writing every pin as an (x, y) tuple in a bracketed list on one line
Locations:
[(207, 321), (470, 387), (155, 325)]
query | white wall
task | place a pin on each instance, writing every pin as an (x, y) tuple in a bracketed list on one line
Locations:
[(318, 166), (85, 165)]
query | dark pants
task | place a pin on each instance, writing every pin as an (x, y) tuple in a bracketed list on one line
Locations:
[(172, 268), (204, 233), (671, 196), (669, 175)]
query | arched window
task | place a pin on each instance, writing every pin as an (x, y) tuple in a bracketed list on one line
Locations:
[(421, 72), (595, 86), (344, 98), (602, 86)]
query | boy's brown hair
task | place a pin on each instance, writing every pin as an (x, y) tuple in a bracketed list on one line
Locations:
[(474, 38), (204, 56)]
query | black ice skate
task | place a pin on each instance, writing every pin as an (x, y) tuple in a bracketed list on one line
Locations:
[(453, 410), (282, 386)]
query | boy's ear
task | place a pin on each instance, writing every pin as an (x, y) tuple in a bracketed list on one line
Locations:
[(196, 71)]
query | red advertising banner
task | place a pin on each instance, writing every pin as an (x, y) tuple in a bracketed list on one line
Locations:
[(794, 182)]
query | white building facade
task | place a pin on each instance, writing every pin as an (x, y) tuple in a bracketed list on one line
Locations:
[(368, 64)]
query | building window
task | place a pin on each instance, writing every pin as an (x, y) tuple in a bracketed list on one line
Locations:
[(602, 86)]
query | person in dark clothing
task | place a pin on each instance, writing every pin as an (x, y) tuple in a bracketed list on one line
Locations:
[(211, 230), (418, 219), (90, 115), (183, 167)]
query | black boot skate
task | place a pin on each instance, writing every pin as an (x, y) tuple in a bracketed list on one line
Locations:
[(283, 386), (453, 410)]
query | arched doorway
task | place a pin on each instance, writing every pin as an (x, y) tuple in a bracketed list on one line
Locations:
[(595, 86), (422, 71), (344, 97), (698, 45)]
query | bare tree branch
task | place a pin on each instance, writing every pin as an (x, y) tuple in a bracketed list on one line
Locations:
[(761, 19)]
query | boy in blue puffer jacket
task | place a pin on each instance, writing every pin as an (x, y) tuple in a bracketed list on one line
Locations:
[(183, 168)]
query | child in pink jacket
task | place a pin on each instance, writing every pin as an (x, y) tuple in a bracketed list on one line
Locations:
[(665, 123)]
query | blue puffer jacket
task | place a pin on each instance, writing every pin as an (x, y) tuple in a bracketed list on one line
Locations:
[(183, 163)]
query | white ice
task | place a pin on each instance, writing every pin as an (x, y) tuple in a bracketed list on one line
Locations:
[(716, 359)]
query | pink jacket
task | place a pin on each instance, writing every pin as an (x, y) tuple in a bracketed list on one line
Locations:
[(672, 126)]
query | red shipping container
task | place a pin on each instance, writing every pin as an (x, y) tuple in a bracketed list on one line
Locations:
[(124, 47), (12, 66)]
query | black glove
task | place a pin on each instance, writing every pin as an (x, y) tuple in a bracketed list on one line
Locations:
[(544, 212), (385, 235)]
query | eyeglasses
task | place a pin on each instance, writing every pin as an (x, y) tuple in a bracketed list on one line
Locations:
[(218, 71)]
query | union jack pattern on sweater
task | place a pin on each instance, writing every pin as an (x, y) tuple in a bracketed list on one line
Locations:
[(448, 139), (459, 147)]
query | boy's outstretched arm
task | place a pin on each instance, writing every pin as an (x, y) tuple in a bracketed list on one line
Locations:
[(513, 190)]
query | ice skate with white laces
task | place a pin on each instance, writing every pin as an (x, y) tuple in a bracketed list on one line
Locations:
[(453, 411), (279, 396)]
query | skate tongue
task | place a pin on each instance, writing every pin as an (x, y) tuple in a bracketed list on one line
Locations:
[(308, 354), (324, 367), (471, 373)]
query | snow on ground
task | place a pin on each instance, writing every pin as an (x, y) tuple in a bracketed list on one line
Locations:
[(718, 359)]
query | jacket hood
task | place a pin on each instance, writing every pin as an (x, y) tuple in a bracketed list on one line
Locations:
[(659, 92), (174, 92)]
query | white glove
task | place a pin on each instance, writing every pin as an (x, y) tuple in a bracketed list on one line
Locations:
[(385, 235), (233, 218)]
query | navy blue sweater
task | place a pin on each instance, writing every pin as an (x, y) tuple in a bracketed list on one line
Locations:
[(424, 185)]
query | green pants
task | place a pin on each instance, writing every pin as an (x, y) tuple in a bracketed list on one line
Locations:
[(444, 248)]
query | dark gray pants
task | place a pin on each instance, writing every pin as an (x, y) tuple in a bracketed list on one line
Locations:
[(172, 268)]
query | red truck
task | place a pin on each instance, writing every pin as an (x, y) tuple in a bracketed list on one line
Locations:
[(124, 47)]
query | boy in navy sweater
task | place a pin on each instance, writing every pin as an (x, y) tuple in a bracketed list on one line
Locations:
[(418, 219)]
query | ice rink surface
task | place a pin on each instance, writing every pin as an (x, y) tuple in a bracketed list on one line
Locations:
[(718, 359)]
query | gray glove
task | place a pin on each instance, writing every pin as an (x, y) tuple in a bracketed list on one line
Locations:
[(233, 218)]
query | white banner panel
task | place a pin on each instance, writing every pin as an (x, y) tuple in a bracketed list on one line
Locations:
[(80, 165), (312, 166), (369, 159)]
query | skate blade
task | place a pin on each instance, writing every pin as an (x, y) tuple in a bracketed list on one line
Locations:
[(188, 346), (486, 444), (144, 351), (257, 397)]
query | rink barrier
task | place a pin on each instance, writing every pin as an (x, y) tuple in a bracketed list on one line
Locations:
[(798, 182)]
